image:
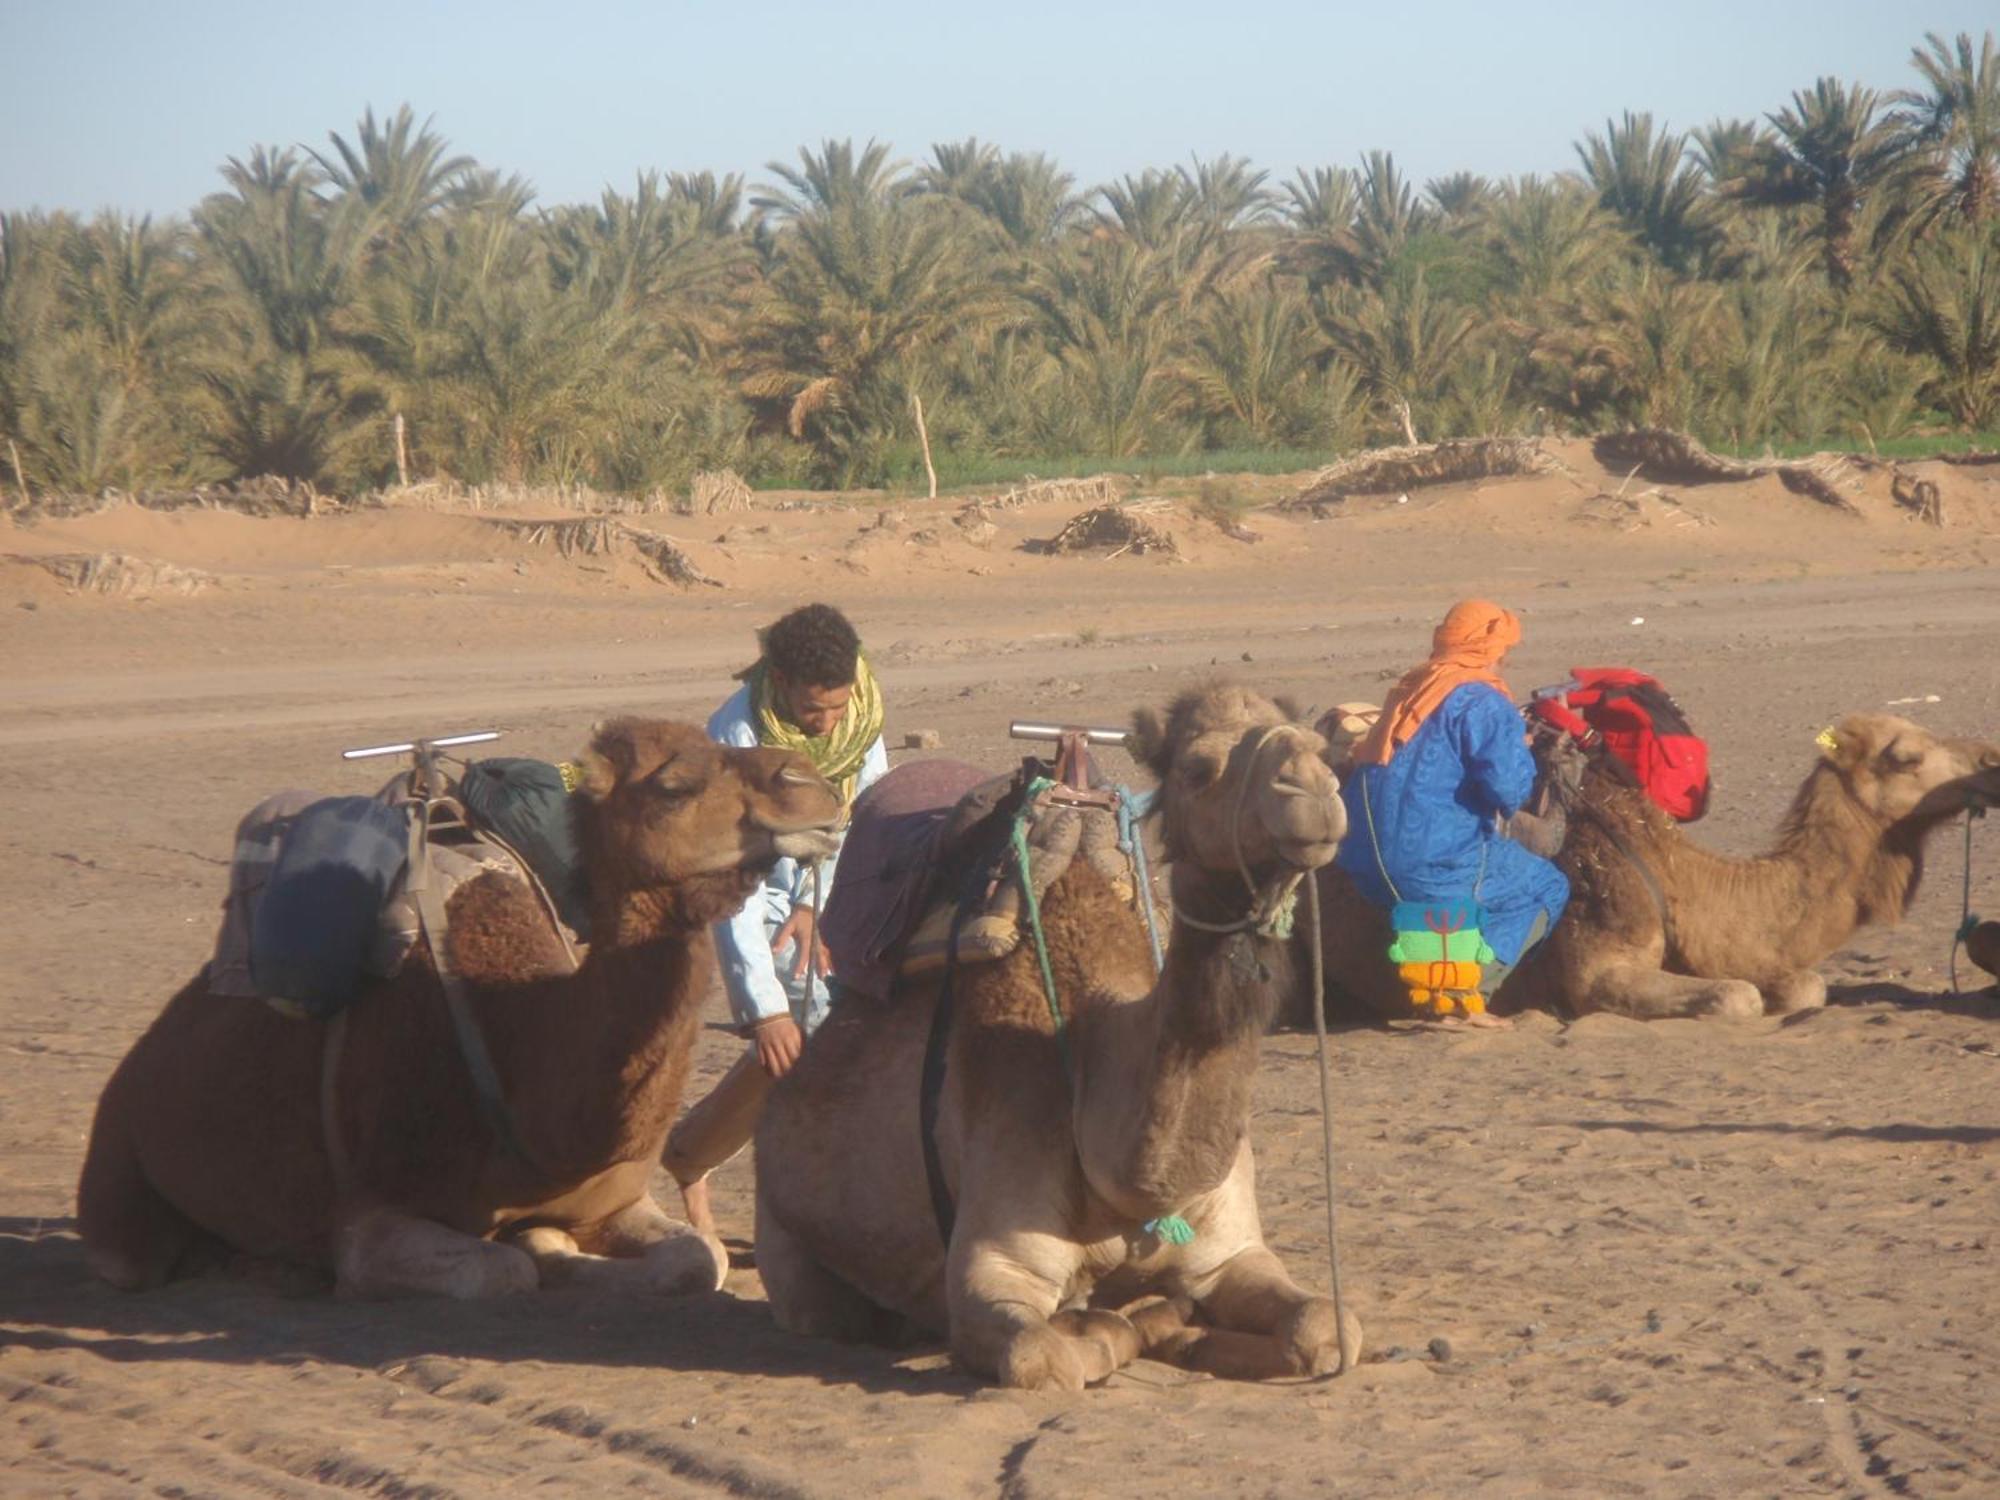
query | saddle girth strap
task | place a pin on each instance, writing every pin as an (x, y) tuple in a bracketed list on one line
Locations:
[(486, 1087), (937, 1046), (1645, 872)]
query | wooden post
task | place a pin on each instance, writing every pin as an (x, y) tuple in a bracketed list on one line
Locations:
[(924, 437), (20, 480), (402, 455), (1409, 431)]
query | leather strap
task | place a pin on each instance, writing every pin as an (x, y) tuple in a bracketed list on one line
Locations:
[(486, 1086)]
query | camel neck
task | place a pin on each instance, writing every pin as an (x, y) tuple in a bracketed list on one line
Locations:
[(1850, 867), (1164, 1082), (626, 1017)]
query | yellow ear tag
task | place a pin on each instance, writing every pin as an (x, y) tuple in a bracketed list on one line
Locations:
[(1827, 740), (571, 773)]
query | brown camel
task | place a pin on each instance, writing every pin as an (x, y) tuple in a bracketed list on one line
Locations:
[(214, 1133), (1051, 1169), (1982, 946), (1658, 926)]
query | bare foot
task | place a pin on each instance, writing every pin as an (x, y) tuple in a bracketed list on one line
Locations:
[(694, 1199), (1483, 1020)]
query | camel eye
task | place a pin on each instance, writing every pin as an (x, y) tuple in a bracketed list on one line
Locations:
[(675, 781), (1201, 771), (1897, 758)]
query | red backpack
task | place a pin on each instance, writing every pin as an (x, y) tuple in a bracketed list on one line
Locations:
[(1635, 718)]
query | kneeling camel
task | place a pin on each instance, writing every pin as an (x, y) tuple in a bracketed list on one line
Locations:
[(1658, 927), (1054, 1153), (358, 1146)]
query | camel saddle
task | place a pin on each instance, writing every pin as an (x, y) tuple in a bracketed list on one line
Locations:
[(922, 875), (323, 897)]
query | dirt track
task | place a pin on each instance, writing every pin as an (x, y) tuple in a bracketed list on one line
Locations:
[(1681, 1259)]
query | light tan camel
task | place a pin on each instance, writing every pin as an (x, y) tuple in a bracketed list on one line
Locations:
[(1052, 1170), (1658, 926), (213, 1134)]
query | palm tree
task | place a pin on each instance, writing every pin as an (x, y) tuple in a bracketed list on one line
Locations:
[(1942, 303), (833, 180), (1226, 193), (1250, 344), (1111, 310), (1548, 236), (650, 249), (289, 261), (957, 168), (1727, 150), (397, 169), (1403, 339), (1951, 127), (1830, 150), (1155, 210), (1636, 350), (1459, 198), (1028, 198), (863, 281), (1319, 210), (1649, 182)]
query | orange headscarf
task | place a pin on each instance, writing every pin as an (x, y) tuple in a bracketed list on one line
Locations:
[(1465, 648)]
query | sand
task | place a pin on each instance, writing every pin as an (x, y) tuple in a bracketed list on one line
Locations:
[(1679, 1259)]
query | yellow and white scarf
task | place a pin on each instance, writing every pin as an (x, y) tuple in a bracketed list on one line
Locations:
[(837, 755)]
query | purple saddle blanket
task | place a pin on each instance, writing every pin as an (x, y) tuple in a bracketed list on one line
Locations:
[(887, 864)]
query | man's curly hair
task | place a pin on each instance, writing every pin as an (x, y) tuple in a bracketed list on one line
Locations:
[(814, 646)]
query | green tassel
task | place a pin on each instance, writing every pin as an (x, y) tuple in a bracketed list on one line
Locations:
[(1172, 1229)]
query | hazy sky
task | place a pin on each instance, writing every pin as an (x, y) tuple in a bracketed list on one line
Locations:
[(134, 103)]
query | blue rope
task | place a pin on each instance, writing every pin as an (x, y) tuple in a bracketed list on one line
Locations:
[(1133, 807)]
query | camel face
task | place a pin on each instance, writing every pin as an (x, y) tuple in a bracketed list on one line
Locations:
[(1243, 784), (1897, 769), (668, 804)]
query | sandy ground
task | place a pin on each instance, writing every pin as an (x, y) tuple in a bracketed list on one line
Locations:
[(1680, 1259)]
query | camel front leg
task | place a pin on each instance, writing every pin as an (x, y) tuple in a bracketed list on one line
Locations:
[(381, 1252), (1643, 991), (678, 1263), (1003, 1293), (1805, 990), (1257, 1322)]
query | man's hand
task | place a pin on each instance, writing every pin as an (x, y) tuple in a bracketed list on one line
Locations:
[(778, 1042), (800, 928)]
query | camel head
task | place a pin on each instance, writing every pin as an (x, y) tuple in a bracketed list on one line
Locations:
[(1901, 772), (1242, 786), (662, 805)]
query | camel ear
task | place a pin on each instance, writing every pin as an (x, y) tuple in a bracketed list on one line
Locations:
[(1148, 743), (609, 759), (1287, 705), (594, 775), (1840, 745)]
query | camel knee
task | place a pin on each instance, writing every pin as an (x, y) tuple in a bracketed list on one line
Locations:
[(1112, 1340), (685, 1264), (1732, 1000), (1038, 1358), (1157, 1319), (1805, 990), (390, 1255), (1310, 1337)]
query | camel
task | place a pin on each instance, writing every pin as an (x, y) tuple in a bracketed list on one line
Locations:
[(1659, 927), (357, 1146), (1058, 1156), (1982, 946)]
